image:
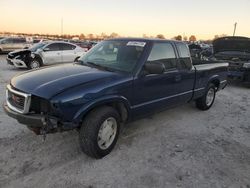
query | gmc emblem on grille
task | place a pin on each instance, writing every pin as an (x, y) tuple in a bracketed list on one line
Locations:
[(16, 98)]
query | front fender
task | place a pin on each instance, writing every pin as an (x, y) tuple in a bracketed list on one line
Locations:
[(100, 101)]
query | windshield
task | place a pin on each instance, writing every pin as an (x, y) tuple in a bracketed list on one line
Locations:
[(1, 40), (37, 46), (114, 55)]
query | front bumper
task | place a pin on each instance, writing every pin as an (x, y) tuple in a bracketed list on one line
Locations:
[(40, 124), (16, 62), (35, 121)]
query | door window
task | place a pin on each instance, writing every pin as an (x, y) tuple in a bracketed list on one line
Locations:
[(65, 46), (19, 40), (163, 53), (184, 53), (53, 47)]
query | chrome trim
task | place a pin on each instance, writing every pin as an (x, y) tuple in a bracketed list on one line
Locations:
[(164, 98), (202, 88), (27, 100), (160, 99)]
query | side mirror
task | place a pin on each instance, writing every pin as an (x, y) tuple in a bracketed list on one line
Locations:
[(46, 49), (154, 68)]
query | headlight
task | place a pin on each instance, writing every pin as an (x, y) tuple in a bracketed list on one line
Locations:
[(246, 65), (17, 57)]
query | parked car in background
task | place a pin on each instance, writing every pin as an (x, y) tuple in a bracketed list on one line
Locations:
[(38, 40), (87, 45), (119, 80), (45, 53), (13, 43), (235, 50)]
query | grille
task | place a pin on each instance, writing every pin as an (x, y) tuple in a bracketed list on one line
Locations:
[(18, 101)]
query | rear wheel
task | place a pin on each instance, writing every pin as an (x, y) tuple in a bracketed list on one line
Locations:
[(206, 101), (34, 64), (99, 132)]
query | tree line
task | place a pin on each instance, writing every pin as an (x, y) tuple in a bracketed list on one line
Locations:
[(91, 36)]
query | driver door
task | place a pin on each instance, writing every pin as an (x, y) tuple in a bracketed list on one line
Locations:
[(153, 92), (52, 54)]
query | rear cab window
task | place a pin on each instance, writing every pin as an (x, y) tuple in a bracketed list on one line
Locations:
[(163, 53), (184, 56)]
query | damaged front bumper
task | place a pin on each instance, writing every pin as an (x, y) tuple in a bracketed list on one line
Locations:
[(16, 62), (38, 123)]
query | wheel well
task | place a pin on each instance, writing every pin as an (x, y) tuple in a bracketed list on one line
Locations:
[(39, 59), (119, 106), (216, 82)]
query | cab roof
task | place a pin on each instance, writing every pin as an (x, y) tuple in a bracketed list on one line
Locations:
[(143, 39)]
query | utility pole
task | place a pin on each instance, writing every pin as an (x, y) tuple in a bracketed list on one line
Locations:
[(61, 26), (235, 25)]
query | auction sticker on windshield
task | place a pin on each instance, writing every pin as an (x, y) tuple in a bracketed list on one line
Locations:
[(135, 43)]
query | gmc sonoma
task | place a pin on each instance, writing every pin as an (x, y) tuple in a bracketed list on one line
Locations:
[(117, 81)]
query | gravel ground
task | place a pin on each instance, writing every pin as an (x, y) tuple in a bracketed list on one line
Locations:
[(181, 147)]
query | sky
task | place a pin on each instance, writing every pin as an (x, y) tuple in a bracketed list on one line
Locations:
[(203, 18)]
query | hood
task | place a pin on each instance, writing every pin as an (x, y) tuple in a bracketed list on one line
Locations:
[(19, 52), (233, 44), (48, 82)]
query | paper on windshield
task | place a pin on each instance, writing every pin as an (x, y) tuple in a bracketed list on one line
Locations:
[(136, 43)]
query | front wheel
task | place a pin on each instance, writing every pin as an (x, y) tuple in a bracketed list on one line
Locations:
[(206, 101), (99, 132), (34, 64)]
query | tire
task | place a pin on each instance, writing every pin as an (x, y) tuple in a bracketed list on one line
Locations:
[(92, 132), (34, 64), (206, 101)]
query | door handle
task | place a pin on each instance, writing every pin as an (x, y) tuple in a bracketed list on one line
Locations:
[(178, 78)]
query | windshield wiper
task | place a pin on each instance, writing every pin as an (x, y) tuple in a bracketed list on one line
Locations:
[(98, 66)]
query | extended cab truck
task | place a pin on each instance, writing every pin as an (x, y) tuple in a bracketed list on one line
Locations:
[(117, 81)]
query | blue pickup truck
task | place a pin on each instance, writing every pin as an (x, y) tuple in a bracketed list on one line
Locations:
[(117, 81)]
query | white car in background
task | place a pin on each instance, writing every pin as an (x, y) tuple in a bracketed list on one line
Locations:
[(45, 53), (8, 44)]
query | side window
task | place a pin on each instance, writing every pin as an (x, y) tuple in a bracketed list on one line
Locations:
[(19, 40), (64, 46), (8, 41), (185, 59), (163, 53), (53, 47)]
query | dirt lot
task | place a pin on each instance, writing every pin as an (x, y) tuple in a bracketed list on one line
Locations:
[(182, 147)]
